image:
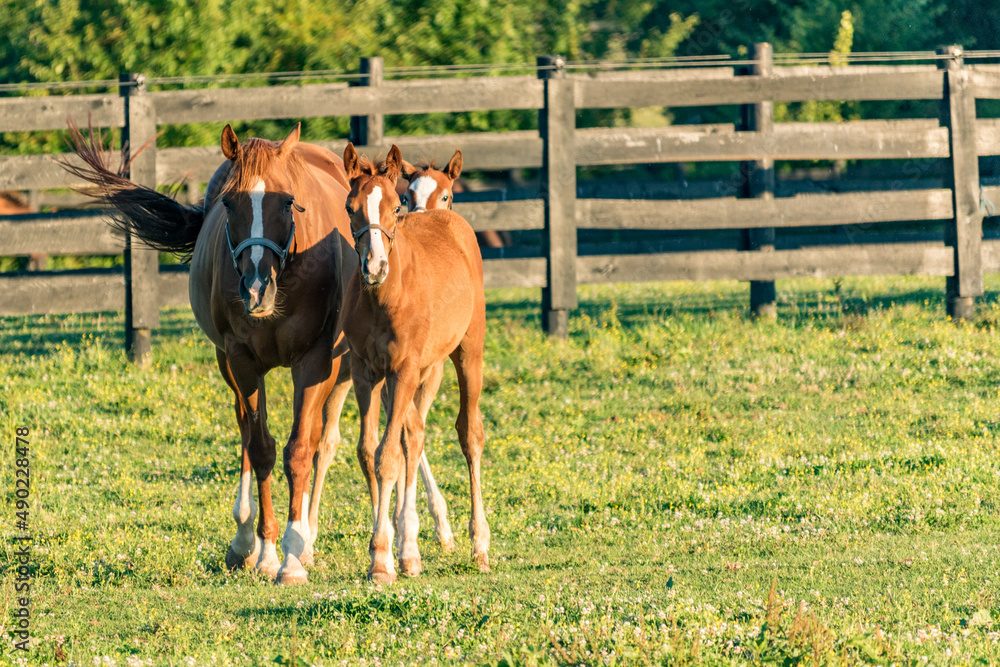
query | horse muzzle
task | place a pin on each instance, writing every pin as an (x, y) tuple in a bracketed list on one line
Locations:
[(375, 277), (258, 295)]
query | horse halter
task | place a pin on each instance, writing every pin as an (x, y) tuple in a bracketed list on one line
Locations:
[(282, 253), (358, 234)]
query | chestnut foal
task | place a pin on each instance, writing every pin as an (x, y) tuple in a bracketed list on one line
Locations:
[(432, 188), (416, 298), (429, 189)]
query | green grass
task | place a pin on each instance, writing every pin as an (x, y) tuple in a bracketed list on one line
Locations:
[(674, 484)]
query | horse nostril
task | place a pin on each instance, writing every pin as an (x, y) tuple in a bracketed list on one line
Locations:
[(383, 266)]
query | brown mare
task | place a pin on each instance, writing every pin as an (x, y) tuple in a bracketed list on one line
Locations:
[(270, 260), (415, 299)]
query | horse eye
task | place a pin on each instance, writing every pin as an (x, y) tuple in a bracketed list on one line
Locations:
[(397, 210), (349, 211), (444, 197)]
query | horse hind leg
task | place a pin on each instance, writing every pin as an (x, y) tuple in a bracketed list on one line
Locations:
[(435, 501), (328, 444), (408, 523), (468, 359)]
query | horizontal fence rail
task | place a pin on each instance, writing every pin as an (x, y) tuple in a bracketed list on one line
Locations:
[(950, 146)]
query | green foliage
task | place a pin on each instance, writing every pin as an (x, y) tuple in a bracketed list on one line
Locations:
[(817, 111), (676, 484)]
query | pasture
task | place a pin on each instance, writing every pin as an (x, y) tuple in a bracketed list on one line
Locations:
[(673, 484)]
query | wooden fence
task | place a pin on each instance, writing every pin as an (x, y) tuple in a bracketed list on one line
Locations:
[(957, 138)]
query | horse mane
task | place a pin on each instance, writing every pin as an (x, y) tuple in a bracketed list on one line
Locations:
[(257, 158)]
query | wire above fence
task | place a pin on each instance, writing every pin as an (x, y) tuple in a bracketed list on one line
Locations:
[(678, 62)]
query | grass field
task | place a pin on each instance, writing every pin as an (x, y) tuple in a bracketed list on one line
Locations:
[(675, 484)]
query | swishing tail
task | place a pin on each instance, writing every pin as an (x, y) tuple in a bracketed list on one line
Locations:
[(159, 220)]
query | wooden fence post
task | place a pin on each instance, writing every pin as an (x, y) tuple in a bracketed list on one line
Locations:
[(758, 182), (142, 263), (965, 232), (556, 126), (368, 130)]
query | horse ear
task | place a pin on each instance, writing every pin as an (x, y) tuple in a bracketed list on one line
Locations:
[(455, 165), (393, 164), (409, 171), (351, 162), (230, 144), (291, 140)]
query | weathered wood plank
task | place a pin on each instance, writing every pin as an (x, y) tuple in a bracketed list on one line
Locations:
[(509, 215), (789, 141), (369, 129), (759, 182), (988, 136), (835, 70), (985, 83), (19, 114), (65, 293), (142, 263), (36, 172), (645, 76), (992, 193), (799, 211), (834, 84), (557, 127), (58, 234), (336, 99), (528, 272), (174, 289), (931, 259), (965, 232), (481, 150)]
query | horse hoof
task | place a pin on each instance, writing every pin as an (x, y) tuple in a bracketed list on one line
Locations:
[(382, 577), (307, 559), (410, 567), (291, 577), (448, 545), (234, 561), (482, 561)]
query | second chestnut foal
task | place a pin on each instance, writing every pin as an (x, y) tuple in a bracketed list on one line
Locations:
[(416, 298)]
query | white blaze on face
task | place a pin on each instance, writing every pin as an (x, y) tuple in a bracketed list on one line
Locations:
[(377, 247), (257, 229), (420, 192)]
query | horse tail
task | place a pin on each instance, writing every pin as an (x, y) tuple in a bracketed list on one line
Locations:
[(159, 220)]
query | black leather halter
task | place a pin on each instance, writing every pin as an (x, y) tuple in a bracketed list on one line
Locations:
[(282, 253), (358, 234)]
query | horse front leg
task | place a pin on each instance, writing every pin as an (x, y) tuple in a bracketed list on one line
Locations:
[(313, 377), (248, 549)]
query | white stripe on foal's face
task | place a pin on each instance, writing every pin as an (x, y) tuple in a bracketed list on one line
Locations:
[(257, 230), (377, 258), (421, 189)]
